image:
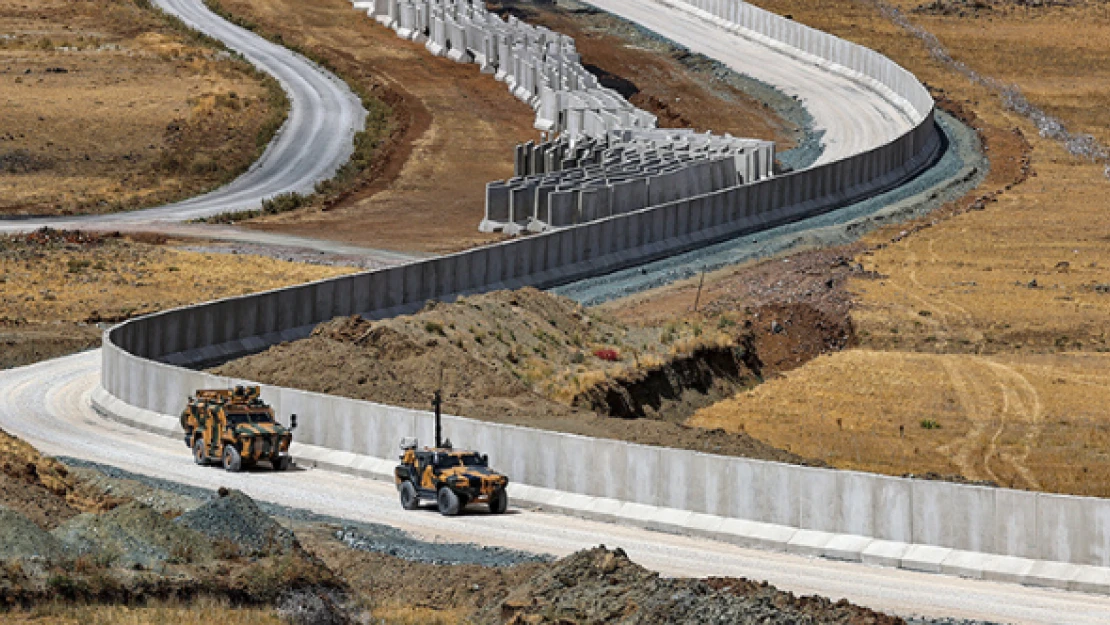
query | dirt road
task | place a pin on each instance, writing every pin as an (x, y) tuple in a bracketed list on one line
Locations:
[(854, 118)]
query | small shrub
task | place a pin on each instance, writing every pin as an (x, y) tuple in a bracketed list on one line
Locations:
[(282, 203), (929, 424), (74, 265), (431, 327), (578, 358)]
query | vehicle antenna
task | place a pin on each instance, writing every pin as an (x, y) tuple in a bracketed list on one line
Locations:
[(437, 404)]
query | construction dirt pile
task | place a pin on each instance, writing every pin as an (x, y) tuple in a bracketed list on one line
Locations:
[(66, 538), (236, 519), (133, 535), (228, 557), (535, 359), (603, 586)]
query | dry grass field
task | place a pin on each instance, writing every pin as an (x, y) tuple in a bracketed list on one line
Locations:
[(55, 287), (197, 612), (108, 105), (981, 332)]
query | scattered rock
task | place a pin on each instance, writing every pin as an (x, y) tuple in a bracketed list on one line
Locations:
[(20, 539), (134, 534), (235, 518)]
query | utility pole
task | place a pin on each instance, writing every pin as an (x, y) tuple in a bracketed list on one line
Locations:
[(701, 283)]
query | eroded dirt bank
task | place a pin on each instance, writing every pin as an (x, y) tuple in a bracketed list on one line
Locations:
[(531, 358)]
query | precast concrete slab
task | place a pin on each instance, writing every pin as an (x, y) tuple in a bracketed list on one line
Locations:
[(884, 553), (926, 558), (847, 547), (809, 543)]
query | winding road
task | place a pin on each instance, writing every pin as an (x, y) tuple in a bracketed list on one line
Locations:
[(47, 404), (854, 117), (56, 417)]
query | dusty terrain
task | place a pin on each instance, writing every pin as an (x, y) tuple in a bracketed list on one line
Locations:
[(122, 548), (535, 359), (981, 328), (109, 105), (56, 287), (453, 129)]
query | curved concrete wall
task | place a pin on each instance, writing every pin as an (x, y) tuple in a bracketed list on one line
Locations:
[(141, 370)]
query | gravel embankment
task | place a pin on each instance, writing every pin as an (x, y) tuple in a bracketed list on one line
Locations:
[(961, 168), (369, 537), (133, 535)]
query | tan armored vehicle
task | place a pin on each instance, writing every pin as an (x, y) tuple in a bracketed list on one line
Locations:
[(452, 478), (235, 428)]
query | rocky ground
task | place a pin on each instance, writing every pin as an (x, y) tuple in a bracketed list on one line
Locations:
[(81, 542)]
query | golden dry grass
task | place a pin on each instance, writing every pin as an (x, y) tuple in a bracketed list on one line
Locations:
[(105, 105), (120, 278), (1028, 421), (990, 322), (52, 295), (199, 612)]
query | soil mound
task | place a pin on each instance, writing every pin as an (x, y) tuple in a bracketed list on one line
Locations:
[(38, 487), (20, 538), (603, 586), (534, 359), (134, 534), (236, 521)]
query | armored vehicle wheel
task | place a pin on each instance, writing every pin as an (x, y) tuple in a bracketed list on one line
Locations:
[(232, 461), (447, 501), (281, 463), (199, 455), (409, 500), (498, 501)]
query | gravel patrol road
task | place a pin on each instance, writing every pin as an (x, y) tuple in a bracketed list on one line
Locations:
[(56, 418), (854, 117), (47, 404)]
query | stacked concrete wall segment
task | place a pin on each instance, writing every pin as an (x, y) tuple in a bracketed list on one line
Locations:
[(141, 369), (625, 170), (540, 67)]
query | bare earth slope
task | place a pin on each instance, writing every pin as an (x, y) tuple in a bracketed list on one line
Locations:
[(456, 128), (522, 357)]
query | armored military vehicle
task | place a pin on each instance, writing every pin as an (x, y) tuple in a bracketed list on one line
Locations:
[(450, 477), (236, 429)]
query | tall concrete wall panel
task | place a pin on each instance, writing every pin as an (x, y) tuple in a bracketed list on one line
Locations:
[(136, 369), (990, 520)]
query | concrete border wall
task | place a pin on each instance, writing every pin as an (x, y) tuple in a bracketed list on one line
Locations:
[(1006, 522), (141, 358)]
